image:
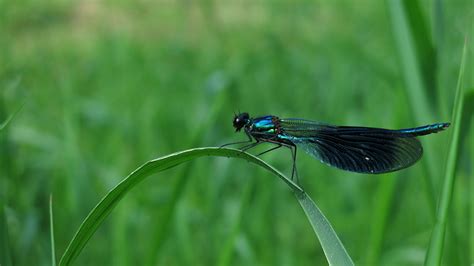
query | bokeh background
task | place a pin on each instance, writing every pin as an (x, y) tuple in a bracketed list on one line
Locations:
[(103, 86)]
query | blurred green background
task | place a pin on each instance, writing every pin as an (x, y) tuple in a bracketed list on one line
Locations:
[(105, 86)]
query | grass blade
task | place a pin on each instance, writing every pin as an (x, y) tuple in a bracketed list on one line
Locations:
[(471, 186), (435, 249), (332, 247), (469, 106), (424, 49), (10, 118), (51, 227), (410, 59), (412, 40), (335, 252)]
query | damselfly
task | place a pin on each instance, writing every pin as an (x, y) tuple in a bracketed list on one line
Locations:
[(356, 149)]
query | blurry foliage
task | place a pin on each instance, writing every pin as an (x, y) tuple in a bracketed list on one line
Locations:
[(108, 85)]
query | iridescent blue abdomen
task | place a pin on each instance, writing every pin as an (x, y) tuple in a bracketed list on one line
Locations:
[(425, 130)]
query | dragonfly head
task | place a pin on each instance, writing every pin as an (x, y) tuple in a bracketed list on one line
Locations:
[(240, 121)]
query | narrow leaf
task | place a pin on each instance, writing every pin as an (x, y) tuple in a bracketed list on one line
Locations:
[(10, 118), (51, 231), (411, 38), (332, 247), (335, 252), (435, 249)]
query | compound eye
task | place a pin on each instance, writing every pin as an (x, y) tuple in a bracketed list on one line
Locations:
[(240, 120), (238, 124)]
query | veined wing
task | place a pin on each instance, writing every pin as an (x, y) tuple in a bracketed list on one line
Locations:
[(358, 149)]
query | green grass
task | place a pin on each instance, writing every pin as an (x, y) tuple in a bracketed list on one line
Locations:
[(435, 251), (51, 222), (415, 52), (109, 86), (10, 118), (333, 248)]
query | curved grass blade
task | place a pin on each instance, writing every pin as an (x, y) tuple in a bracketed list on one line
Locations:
[(335, 252), (435, 249), (331, 244)]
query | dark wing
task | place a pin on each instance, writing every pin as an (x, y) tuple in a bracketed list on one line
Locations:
[(356, 149)]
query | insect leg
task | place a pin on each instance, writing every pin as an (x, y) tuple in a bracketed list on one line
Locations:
[(293, 149), (250, 140), (251, 145), (272, 149), (295, 170)]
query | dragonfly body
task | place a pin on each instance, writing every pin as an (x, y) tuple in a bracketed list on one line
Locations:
[(356, 149)]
